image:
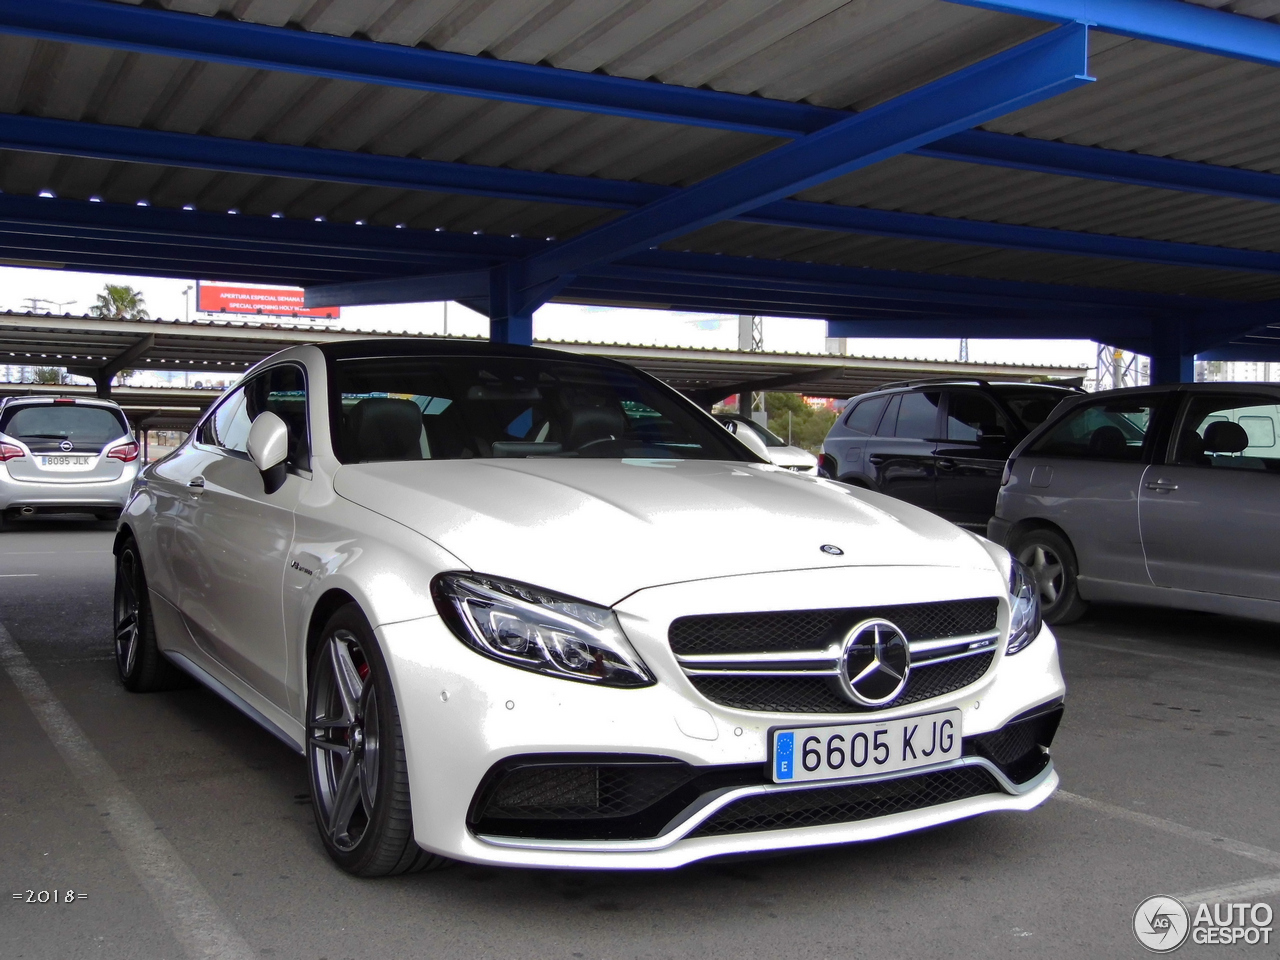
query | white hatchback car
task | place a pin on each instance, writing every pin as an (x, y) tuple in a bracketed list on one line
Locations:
[(64, 455), (519, 607)]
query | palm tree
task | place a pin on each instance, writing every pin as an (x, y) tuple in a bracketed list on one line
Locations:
[(120, 303)]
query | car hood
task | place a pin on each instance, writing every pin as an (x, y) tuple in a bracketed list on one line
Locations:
[(601, 529)]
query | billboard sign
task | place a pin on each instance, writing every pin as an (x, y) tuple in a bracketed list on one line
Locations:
[(255, 300)]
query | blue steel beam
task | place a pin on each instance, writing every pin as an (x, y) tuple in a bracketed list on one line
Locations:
[(65, 137), (1025, 74), (463, 285), (1001, 329), (1171, 22)]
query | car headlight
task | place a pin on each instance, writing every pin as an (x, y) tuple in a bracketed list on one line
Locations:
[(540, 631), (1024, 606)]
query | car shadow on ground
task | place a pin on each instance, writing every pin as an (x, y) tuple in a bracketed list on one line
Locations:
[(1180, 632)]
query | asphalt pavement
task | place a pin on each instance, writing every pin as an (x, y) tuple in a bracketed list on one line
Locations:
[(1168, 757)]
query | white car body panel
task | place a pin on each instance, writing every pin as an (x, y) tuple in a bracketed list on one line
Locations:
[(654, 539)]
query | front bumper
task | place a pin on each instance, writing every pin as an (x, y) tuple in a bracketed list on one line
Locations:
[(998, 531), (44, 495), (462, 715)]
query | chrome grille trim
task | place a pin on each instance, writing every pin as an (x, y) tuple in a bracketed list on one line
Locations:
[(814, 663)]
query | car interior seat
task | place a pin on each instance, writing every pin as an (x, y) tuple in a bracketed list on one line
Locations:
[(385, 428), (1108, 443), (589, 424), (1191, 449), (1224, 441)]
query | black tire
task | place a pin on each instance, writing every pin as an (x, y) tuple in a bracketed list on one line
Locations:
[(355, 755), (143, 668), (1053, 562)]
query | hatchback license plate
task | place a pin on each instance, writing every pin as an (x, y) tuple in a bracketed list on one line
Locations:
[(846, 750), (66, 463)]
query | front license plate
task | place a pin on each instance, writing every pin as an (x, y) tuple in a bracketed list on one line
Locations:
[(66, 463), (847, 750)]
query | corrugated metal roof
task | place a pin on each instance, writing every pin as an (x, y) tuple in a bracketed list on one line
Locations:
[(1154, 99)]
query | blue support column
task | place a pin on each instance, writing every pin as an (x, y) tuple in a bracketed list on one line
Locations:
[(1172, 359), (510, 316)]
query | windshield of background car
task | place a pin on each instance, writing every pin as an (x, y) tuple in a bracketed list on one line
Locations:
[(1109, 430), (1032, 407), (770, 439), (458, 408), (63, 421)]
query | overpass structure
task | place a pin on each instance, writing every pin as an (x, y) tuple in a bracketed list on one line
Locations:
[(101, 348), (1104, 169)]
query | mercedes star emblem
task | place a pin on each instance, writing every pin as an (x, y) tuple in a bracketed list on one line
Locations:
[(875, 663), (832, 549)]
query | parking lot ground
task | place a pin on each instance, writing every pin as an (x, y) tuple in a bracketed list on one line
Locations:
[(1168, 758)]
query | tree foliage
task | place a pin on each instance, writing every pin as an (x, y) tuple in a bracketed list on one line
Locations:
[(50, 375), (119, 302), (809, 425)]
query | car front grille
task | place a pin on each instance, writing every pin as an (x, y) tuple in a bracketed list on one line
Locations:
[(820, 695), (788, 661), (847, 803)]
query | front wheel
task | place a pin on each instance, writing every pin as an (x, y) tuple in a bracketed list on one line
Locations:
[(1053, 563), (355, 754), (143, 668)]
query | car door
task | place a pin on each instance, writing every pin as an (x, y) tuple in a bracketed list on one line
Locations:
[(847, 441), (1210, 515), (1084, 474), (969, 458), (900, 457), (233, 539)]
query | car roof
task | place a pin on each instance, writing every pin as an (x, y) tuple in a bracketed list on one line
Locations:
[(373, 347), (51, 398)]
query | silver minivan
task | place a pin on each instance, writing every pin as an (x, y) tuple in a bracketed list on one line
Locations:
[(1164, 495), (63, 455)]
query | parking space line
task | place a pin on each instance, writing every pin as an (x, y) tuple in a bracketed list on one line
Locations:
[(1199, 664), (180, 899), (1245, 892), (1240, 849), (3, 575)]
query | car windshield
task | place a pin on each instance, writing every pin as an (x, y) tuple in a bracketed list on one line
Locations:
[(62, 421), (767, 437), (458, 408)]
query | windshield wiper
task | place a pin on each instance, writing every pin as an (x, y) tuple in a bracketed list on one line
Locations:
[(42, 436)]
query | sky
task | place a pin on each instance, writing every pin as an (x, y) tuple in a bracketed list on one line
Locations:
[(60, 291)]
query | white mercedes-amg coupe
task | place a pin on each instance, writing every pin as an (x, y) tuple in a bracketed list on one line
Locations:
[(520, 607)]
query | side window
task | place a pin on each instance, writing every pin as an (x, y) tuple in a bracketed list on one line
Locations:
[(918, 416), (972, 416), (1108, 430), (890, 418), (1230, 432), (862, 419), (283, 391), (229, 426)]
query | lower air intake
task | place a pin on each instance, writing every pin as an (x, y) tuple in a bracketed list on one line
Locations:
[(848, 803)]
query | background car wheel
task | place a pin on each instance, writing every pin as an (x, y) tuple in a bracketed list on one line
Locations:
[(1051, 559), (143, 668), (355, 754)]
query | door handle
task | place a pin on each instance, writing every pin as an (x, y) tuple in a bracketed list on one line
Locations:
[(875, 459), (196, 484), (946, 464), (1162, 486)]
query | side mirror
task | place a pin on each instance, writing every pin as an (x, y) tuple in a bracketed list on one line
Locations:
[(268, 448), (993, 436)]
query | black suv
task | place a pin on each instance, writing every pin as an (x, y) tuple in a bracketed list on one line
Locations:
[(940, 444)]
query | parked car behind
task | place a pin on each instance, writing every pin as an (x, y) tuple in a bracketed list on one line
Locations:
[(64, 455), (940, 444), (1162, 495), (777, 450)]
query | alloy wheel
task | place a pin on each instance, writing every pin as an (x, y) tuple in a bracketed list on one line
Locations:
[(344, 740), (1048, 569), (128, 609)]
